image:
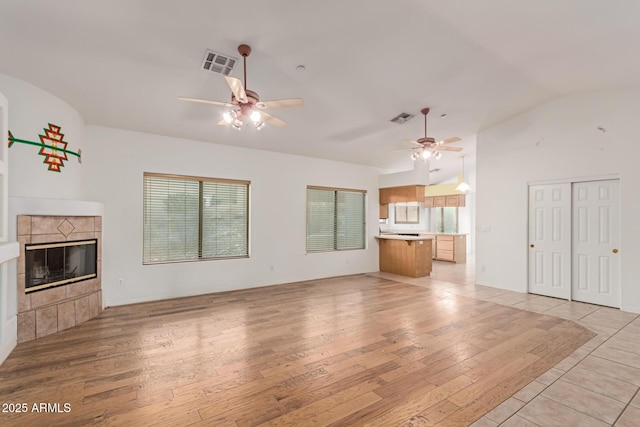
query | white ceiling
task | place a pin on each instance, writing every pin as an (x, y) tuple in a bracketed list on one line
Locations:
[(123, 63)]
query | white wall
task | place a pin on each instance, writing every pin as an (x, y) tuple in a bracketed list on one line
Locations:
[(30, 111), (277, 214), (558, 140), (419, 175)]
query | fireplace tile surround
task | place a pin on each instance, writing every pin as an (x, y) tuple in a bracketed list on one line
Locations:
[(51, 310)]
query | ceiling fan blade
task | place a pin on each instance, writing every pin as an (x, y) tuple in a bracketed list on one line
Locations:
[(205, 101), (403, 149), (449, 148), (281, 103), (416, 143), (273, 120), (450, 140), (237, 88)]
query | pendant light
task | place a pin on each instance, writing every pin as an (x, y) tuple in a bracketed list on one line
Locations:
[(463, 187)]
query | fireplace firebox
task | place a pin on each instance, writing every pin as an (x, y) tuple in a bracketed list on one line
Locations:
[(48, 265)]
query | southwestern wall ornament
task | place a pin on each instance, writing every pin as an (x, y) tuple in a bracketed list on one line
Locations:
[(52, 147)]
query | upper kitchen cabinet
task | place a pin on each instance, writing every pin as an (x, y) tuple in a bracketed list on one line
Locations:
[(455, 201), (445, 201), (384, 211), (406, 193)]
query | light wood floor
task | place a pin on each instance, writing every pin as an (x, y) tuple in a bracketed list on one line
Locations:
[(356, 350)]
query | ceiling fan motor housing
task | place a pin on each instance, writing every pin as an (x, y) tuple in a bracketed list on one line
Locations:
[(245, 108), (427, 141)]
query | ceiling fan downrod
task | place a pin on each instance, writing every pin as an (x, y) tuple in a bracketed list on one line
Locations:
[(425, 111), (244, 50)]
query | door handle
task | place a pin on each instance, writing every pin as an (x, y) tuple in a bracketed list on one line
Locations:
[(532, 245), (615, 251)]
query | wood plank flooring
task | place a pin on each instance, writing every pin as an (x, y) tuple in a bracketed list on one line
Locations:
[(345, 351)]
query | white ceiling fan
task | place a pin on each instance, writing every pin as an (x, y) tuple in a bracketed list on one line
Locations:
[(245, 104), (427, 147)]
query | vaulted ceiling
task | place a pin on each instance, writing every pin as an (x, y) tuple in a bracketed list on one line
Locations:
[(123, 63)]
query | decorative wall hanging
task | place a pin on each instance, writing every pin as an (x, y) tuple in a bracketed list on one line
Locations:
[(52, 147)]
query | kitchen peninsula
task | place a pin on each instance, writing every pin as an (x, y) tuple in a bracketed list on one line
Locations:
[(405, 255)]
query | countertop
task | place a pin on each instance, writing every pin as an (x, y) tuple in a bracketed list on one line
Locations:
[(421, 232), (398, 237)]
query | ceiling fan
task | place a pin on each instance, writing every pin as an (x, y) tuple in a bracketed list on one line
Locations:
[(428, 147), (246, 103)]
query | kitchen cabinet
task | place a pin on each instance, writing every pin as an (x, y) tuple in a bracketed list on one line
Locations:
[(455, 200), (451, 248), (384, 211), (433, 243), (446, 201), (406, 193), (408, 256)]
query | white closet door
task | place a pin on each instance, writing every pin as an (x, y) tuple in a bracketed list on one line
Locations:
[(596, 240), (550, 240)]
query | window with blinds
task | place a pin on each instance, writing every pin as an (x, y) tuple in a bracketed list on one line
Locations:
[(191, 218), (335, 219)]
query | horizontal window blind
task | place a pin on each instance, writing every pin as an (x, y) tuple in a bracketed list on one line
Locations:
[(321, 207), (335, 219), (350, 220), (187, 218), (224, 220)]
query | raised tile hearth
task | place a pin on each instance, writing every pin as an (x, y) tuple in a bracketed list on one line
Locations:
[(48, 311)]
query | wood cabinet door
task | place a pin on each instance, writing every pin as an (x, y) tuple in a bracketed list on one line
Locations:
[(384, 211), (385, 195), (428, 202), (445, 245), (452, 201), (445, 255), (439, 201), (419, 193), (405, 193)]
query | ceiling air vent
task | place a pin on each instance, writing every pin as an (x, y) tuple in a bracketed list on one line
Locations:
[(218, 63), (402, 118)]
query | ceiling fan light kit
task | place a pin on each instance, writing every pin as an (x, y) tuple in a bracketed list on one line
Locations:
[(245, 103), (427, 147)]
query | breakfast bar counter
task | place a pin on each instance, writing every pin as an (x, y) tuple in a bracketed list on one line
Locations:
[(405, 255)]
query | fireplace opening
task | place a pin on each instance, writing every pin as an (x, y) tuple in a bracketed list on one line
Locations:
[(54, 264)]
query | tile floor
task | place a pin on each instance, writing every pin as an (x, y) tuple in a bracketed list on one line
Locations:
[(598, 385)]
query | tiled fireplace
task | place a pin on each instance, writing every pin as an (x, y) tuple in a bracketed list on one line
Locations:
[(76, 298)]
